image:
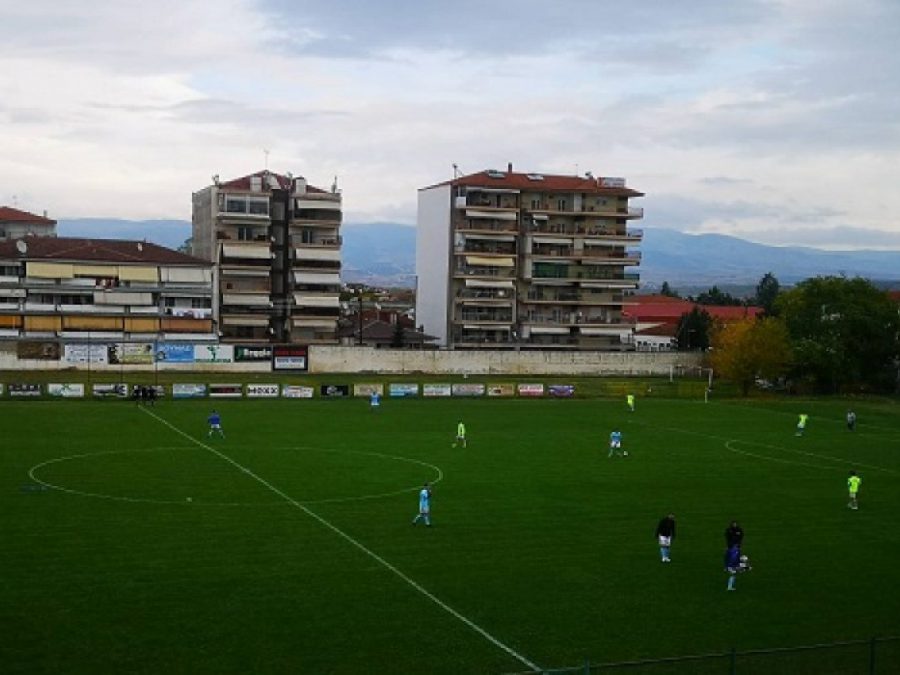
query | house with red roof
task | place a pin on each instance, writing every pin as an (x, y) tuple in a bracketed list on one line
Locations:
[(15, 223)]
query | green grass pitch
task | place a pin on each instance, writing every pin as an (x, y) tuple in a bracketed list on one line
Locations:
[(288, 546)]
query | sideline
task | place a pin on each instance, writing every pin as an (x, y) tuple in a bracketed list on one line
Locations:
[(346, 537)]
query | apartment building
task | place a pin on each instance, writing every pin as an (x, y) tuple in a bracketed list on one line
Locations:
[(101, 289), (15, 223), (527, 260), (275, 243)]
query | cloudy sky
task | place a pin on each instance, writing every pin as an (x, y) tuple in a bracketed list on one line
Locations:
[(774, 120)]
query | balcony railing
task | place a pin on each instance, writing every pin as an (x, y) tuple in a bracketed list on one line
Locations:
[(493, 272), (488, 226), (473, 248)]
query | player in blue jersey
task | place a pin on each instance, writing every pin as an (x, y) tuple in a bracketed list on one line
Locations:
[(215, 424), (424, 505), (374, 400), (615, 444)]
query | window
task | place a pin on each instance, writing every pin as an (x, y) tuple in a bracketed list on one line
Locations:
[(535, 203), (560, 204), (245, 233), (235, 206), (258, 208)]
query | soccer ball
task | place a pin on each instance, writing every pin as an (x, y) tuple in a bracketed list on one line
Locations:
[(625, 453)]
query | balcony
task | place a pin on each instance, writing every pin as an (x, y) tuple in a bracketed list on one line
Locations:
[(573, 297), (247, 251), (323, 254), (484, 247), (485, 227), (470, 315), (480, 271)]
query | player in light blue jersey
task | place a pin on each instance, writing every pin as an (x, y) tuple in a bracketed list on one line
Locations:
[(615, 444), (374, 400), (424, 506), (215, 424)]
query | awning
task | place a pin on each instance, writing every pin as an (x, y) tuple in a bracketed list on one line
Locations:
[(245, 299), (244, 272), (329, 254), (482, 283), (313, 323), (549, 330), (321, 204), (318, 278), (495, 215), (49, 270), (96, 270), (253, 252), (469, 326), (540, 216), (605, 331), (135, 273), (245, 321), (316, 300), (490, 262), (491, 237), (191, 275)]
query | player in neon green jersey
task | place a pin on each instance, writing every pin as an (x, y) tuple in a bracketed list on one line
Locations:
[(629, 399), (853, 483), (801, 424), (460, 434)]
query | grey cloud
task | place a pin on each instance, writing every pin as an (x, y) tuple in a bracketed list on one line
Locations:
[(838, 237)]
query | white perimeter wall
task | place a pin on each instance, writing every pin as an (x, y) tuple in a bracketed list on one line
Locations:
[(433, 261)]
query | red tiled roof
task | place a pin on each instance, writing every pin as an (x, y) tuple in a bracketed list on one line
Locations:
[(662, 330), (243, 183), (669, 310), (381, 331), (547, 183), (71, 249), (11, 215), (895, 296)]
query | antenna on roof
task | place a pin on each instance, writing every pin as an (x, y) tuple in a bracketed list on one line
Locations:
[(334, 188), (456, 172), (266, 153)]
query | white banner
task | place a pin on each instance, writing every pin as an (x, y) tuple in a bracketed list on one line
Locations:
[(294, 391), (86, 353), (213, 353), (263, 391), (66, 390), (430, 390)]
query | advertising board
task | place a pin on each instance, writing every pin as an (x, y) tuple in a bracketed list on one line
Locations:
[(290, 357), (334, 390), (188, 391), (72, 390), (245, 353), (362, 389), (501, 390), (403, 390), (296, 391), (263, 391), (131, 353), (25, 390), (526, 389), (225, 391), (468, 390), (111, 390), (44, 351), (213, 353), (174, 352), (86, 353), (435, 390), (561, 390)]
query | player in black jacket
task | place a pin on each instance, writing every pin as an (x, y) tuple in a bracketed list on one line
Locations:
[(665, 533)]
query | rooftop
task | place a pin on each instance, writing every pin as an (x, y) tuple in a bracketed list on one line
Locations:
[(544, 183), (270, 181), (98, 250), (10, 215)]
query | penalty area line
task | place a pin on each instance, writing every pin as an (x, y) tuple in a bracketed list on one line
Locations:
[(350, 540)]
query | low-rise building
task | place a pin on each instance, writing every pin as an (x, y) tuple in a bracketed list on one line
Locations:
[(15, 224), (102, 289)]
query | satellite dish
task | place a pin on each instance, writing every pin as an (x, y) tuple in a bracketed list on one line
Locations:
[(21, 246), (140, 246)]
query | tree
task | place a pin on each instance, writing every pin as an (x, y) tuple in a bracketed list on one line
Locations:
[(767, 293), (693, 330), (715, 296), (667, 291), (187, 246), (751, 348), (844, 333)]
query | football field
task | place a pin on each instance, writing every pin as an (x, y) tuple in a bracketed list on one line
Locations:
[(133, 542)]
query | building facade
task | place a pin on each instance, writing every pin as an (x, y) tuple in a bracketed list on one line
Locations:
[(15, 224), (526, 260), (69, 289), (275, 243)]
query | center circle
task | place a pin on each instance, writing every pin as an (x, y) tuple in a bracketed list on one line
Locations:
[(187, 476)]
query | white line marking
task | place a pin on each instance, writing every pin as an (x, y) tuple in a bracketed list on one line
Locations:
[(346, 537), (729, 446)]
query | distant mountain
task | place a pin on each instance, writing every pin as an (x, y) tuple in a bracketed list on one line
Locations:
[(385, 254)]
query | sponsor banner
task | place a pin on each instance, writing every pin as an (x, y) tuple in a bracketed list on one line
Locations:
[(295, 391), (43, 351), (244, 353), (334, 390), (501, 390), (430, 390), (525, 389), (111, 390), (188, 391), (131, 353), (400, 389), (213, 353), (468, 390), (226, 391), (293, 357), (263, 391), (158, 389), (561, 390), (174, 353), (361, 389), (86, 353), (66, 390), (29, 390)]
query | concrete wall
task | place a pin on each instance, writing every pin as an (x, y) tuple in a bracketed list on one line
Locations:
[(328, 359)]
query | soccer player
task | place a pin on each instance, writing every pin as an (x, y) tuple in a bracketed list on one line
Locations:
[(735, 563), (615, 443), (801, 424), (853, 483), (734, 535), (665, 533), (215, 424), (851, 420), (460, 434), (424, 505), (374, 400), (629, 399)]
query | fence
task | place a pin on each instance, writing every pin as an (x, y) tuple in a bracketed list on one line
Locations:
[(875, 656)]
